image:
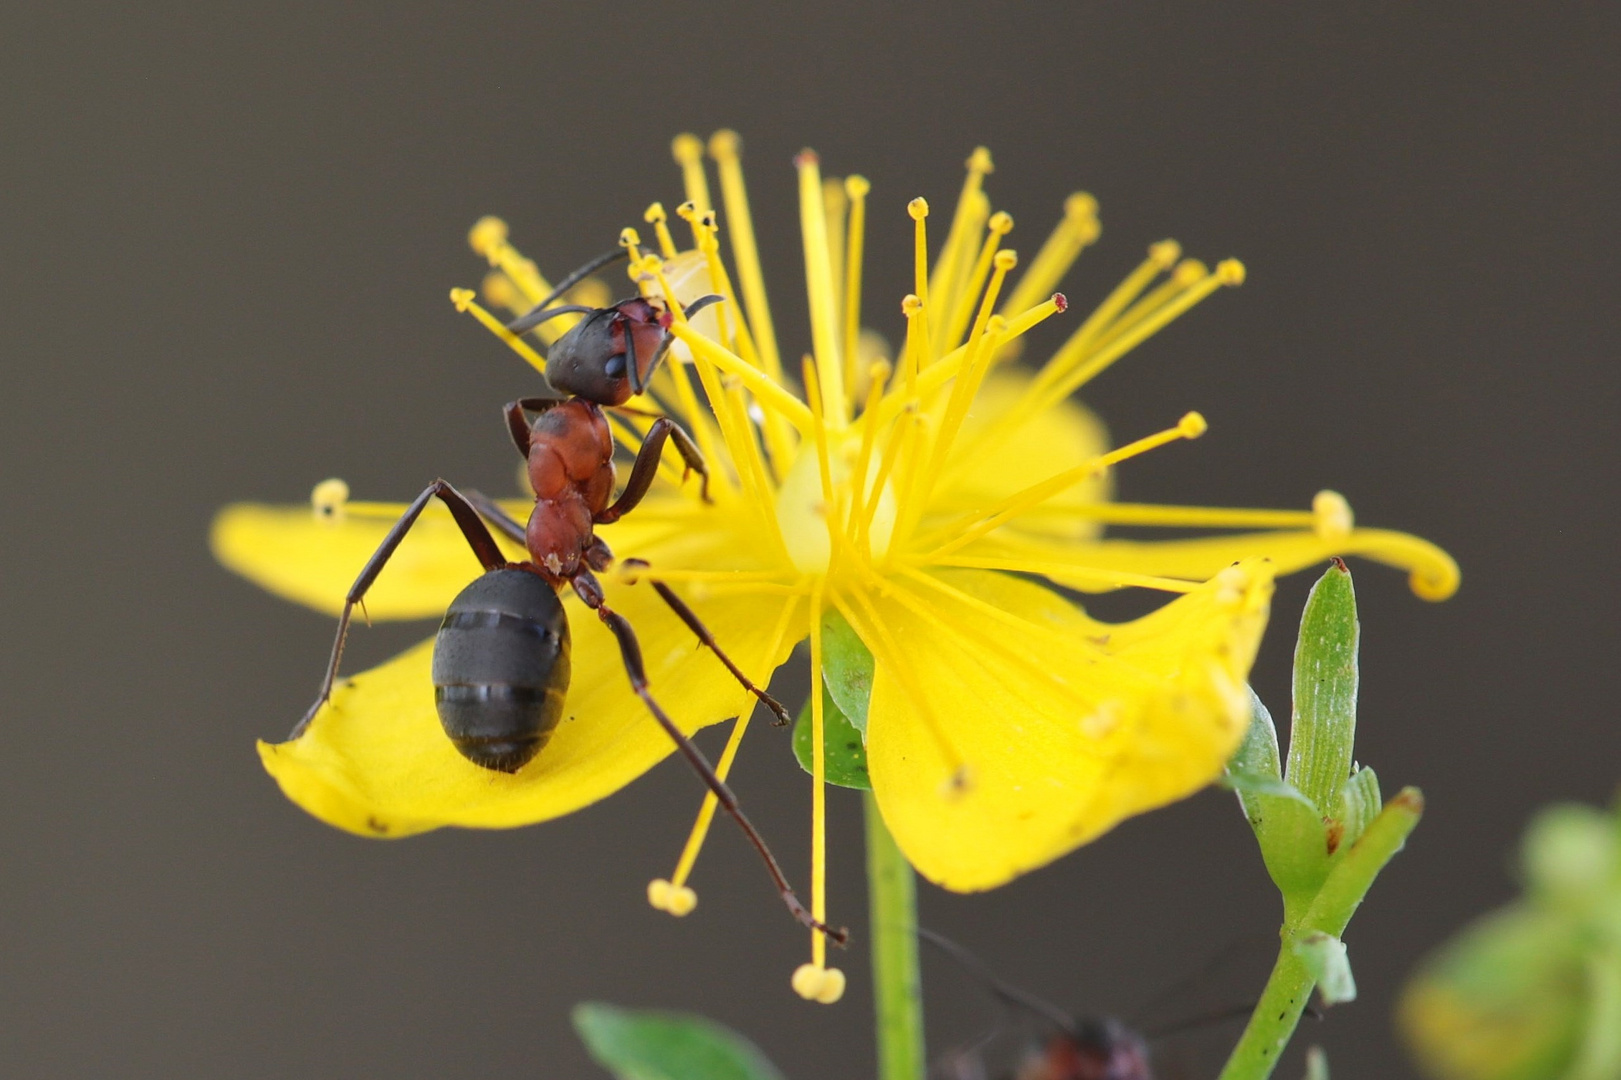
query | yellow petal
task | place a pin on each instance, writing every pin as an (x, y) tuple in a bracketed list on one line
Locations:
[(376, 762), (313, 561), (1433, 574), (990, 462), (1062, 726)]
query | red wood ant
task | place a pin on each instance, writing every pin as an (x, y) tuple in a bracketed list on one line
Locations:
[(501, 658)]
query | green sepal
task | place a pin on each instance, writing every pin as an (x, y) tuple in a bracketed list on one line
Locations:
[(845, 756), (1294, 843), (636, 1044), (847, 668), (1360, 803), (1322, 729), (1325, 957)]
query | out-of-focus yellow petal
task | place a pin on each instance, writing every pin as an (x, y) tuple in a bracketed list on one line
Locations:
[(1432, 573), (376, 762), (1063, 726), (991, 463)]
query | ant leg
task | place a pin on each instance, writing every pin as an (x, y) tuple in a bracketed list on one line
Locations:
[(478, 538), (647, 466), (491, 512), (572, 280), (688, 616), (590, 591), (518, 420)]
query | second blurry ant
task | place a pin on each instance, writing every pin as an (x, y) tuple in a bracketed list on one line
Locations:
[(501, 657)]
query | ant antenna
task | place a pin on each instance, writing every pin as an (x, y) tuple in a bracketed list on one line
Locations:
[(605, 259), (1007, 993)]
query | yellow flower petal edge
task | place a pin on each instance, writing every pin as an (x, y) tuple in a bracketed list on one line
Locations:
[(375, 761), (1061, 726)]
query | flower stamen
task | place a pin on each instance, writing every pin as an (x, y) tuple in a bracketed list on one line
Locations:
[(1077, 229), (1001, 223), (819, 288), (466, 302), (688, 151), (855, 190), (725, 148)]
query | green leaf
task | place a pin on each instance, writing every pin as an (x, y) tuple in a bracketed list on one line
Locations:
[(845, 755), (846, 669), (1325, 957), (1294, 843), (1323, 729), (638, 1044)]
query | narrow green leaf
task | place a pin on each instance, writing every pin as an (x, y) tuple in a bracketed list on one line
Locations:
[(1360, 803), (1325, 957), (1323, 728), (845, 757), (847, 669), (1294, 844), (636, 1044)]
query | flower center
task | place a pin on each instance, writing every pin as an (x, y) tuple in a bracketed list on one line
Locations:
[(808, 515)]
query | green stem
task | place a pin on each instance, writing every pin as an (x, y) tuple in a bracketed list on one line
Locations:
[(1290, 985), (897, 988)]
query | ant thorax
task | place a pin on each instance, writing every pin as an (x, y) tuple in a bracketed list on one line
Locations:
[(572, 474)]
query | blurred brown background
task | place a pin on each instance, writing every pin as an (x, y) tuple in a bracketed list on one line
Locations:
[(226, 237)]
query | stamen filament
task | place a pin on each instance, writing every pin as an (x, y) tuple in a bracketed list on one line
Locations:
[(465, 302), (1077, 229), (858, 522), (819, 287), (724, 147), (1161, 256), (945, 270), (688, 151), (1191, 426), (818, 780), (1001, 224), (1054, 569), (855, 189), (765, 390)]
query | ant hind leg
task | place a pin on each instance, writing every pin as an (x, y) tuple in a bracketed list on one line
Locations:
[(590, 591)]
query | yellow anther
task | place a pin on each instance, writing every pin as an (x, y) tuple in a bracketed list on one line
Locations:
[(806, 158), (328, 499), (629, 237), (654, 214), (1435, 584), (725, 144), (499, 291), (980, 161), (687, 211), (655, 217), (1231, 272), (820, 984), (487, 235), (1192, 426), (995, 326), (1006, 259), (678, 900), (1080, 206), (687, 148), (918, 208), (463, 299), (1331, 515), (1189, 272), (910, 305), (1165, 253), (1001, 222), (856, 187)]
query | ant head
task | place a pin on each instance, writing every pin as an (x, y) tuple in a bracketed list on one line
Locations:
[(592, 360)]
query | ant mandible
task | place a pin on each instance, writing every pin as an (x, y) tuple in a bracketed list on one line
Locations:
[(501, 658)]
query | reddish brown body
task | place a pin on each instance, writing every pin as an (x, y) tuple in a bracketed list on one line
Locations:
[(572, 473)]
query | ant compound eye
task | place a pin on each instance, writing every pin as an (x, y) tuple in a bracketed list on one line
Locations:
[(615, 367)]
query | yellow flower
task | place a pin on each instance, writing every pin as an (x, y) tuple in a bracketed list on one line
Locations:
[(933, 501)]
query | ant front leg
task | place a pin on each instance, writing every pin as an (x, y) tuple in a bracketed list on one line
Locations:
[(590, 591), (646, 468), (690, 617), (472, 527)]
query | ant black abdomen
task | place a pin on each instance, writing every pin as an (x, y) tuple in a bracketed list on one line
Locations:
[(501, 668)]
